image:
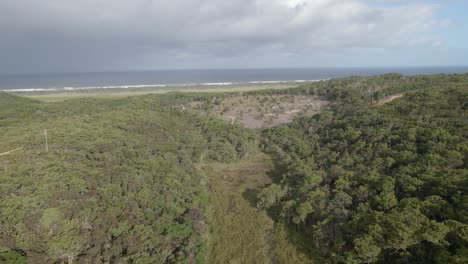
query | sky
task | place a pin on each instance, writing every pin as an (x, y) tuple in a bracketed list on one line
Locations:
[(117, 35)]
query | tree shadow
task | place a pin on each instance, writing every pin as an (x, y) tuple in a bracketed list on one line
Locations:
[(300, 239), (276, 175)]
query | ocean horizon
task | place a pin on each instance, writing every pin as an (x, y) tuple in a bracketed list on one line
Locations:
[(164, 78)]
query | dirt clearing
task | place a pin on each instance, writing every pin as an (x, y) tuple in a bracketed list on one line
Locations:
[(259, 111)]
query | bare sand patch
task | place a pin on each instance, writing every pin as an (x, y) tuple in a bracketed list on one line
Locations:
[(259, 111), (389, 99)]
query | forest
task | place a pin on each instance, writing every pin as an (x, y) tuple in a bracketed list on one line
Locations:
[(120, 181), (137, 179), (377, 184)]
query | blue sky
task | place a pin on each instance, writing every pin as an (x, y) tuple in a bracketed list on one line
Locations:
[(453, 37), (456, 35), (107, 35)]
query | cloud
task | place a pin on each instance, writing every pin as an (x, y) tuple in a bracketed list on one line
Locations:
[(118, 30)]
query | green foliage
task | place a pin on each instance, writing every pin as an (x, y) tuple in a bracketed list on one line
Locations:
[(118, 184), (381, 184), (270, 195), (122, 182), (11, 257)]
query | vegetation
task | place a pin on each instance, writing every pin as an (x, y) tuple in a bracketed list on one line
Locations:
[(378, 176), (385, 184), (257, 111), (239, 232), (120, 182)]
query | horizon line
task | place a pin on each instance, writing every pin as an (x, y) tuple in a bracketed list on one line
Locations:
[(227, 68)]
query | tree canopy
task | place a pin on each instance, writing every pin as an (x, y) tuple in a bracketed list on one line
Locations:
[(384, 184)]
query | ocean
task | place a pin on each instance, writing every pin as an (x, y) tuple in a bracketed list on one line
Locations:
[(161, 78)]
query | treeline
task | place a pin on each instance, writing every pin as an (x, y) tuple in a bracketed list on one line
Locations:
[(382, 184), (121, 181), (372, 88)]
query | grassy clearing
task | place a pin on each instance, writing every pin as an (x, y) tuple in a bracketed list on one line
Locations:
[(240, 233), (59, 96), (243, 175), (237, 228), (289, 246)]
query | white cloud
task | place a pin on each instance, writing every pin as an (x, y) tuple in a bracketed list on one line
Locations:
[(217, 27), (220, 20)]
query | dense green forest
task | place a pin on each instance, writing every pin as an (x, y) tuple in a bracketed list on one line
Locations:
[(120, 181), (130, 180), (368, 183)]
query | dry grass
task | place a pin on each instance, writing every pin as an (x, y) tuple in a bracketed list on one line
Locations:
[(245, 174), (240, 233), (58, 96), (237, 228)]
